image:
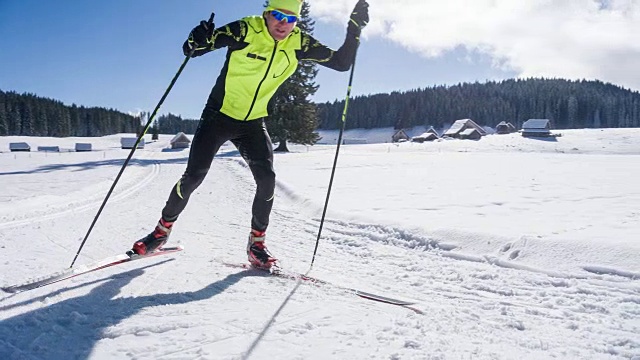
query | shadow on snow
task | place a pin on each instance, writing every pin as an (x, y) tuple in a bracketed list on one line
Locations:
[(93, 164), (69, 329), (83, 166)]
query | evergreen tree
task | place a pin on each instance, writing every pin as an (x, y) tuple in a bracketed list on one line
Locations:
[(154, 133), (41, 123), (294, 117), (4, 130), (15, 119), (77, 126), (572, 112), (65, 121), (27, 117)]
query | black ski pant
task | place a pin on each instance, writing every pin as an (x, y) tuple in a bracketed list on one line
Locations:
[(254, 144)]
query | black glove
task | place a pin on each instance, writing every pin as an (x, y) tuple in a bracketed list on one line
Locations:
[(201, 35), (359, 17)]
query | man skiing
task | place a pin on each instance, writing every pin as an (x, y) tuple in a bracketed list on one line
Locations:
[(262, 52)]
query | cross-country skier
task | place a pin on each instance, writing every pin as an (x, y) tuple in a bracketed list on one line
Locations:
[(262, 52)]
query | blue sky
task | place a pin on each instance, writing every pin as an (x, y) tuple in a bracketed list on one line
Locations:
[(122, 54)]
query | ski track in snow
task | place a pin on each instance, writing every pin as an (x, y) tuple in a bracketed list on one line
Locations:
[(82, 201), (480, 306)]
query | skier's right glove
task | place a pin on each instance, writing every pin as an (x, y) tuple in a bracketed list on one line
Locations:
[(359, 18), (201, 36)]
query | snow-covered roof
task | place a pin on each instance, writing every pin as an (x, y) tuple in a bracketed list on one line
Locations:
[(180, 137), (469, 131), (432, 131), (532, 124), (426, 135), (19, 146), (455, 128), (458, 125)]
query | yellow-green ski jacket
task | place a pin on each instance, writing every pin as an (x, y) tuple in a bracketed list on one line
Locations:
[(257, 64)]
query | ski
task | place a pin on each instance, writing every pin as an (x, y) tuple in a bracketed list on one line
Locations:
[(84, 269), (281, 273), (277, 271)]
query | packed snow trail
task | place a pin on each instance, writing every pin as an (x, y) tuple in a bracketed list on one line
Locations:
[(474, 304)]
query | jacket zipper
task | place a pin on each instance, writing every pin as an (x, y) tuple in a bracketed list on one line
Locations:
[(255, 96)]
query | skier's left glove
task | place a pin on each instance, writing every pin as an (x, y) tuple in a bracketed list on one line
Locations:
[(359, 18), (201, 35)]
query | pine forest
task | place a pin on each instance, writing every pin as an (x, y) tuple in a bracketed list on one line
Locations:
[(568, 104)]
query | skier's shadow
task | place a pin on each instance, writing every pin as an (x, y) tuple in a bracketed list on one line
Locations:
[(69, 329), (247, 354)]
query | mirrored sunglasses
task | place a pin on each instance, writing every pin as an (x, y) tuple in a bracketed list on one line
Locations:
[(279, 15)]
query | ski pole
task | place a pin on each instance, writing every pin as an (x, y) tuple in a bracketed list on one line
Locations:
[(135, 146), (335, 160)]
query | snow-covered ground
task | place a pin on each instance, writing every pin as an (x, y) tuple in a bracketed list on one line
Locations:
[(513, 248)]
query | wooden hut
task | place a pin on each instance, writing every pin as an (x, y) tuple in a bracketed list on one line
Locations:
[(470, 134), (460, 126), (505, 128), (19, 146), (400, 135), (180, 141), (429, 135), (536, 128), (49, 148), (129, 143), (80, 147)]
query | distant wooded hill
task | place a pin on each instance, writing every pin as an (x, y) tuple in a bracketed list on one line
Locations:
[(31, 115), (568, 104)]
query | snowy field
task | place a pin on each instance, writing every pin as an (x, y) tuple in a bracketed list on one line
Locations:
[(513, 248)]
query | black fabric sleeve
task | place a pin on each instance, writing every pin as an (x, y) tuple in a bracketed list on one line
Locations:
[(231, 35), (340, 60)]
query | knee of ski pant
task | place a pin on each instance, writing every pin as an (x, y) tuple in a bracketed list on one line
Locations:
[(192, 179), (265, 179), (266, 189)]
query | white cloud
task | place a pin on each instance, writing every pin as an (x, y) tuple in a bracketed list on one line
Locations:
[(575, 39)]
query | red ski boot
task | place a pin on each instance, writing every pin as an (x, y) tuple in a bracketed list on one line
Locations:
[(155, 240), (259, 256)]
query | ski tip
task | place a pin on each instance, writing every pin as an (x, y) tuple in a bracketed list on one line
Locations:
[(385, 299), (170, 248)]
